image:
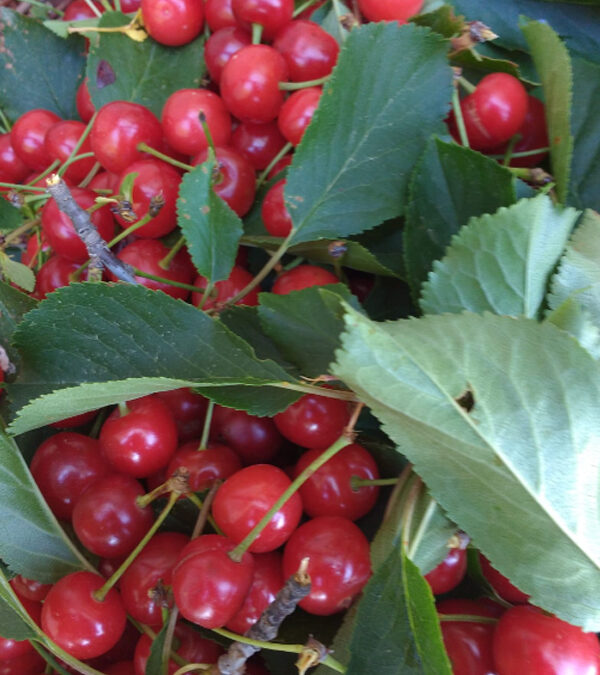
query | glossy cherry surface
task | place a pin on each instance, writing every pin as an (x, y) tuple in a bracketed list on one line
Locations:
[(303, 276), (223, 291), (254, 439), (29, 588), (272, 15), (390, 10), (259, 143), (215, 462), (60, 141), (54, 273), (12, 168), (297, 112), (173, 22), (219, 14), (276, 217), (449, 573), (221, 46), (83, 101), (188, 410), (28, 137)]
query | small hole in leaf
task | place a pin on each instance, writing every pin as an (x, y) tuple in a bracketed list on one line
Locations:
[(466, 400)]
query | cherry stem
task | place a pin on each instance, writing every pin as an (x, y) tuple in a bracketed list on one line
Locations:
[(293, 86), (123, 409), (282, 153), (465, 84), (509, 149), (17, 233), (357, 482), (100, 594), (144, 147), (237, 553), (205, 510), (208, 291), (73, 157), (48, 658), (458, 116), (190, 668), (340, 394), (409, 508), (165, 263), (198, 503), (302, 7), (4, 121), (525, 153), (206, 427), (340, 19), (87, 180), (205, 128), (257, 31), (93, 8), (18, 186), (471, 618), (168, 643), (163, 280), (44, 173)]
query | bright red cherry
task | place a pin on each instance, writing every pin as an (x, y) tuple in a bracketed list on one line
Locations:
[(54, 273), (36, 250), (227, 289), (243, 500), (527, 640), (259, 143), (221, 46), (297, 112), (188, 410), (302, 276), (30, 588), (12, 168), (83, 626), (390, 10), (83, 101), (61, 139), (339, 562), (276, 217), (215, 462), (80, 9), (254, 439), (64, 466), (173, 22), (449, 573), (209, 587), (314, 422), (503, 587), (119, 127), (141, 441), (219, 14), (329, 492), (107, 518), (310, 51), (28, 135), (272, 15)]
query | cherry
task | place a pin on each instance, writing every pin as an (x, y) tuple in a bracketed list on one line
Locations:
[(254, 439), (234, 180), (276, 217), (209, 587), (35, 250), (328, 492), (449, 573), (469, 643), (30, 589), (80, 9), (272, 15), (221, 46), (28, 135), (155, 179), (107, 518), (12, 168), (250, 83), (61, 234), (74, 420), (119, 668), (219, 14), (339, 562), (30, 663), (141, 441), (144, 583), (188, 410), (83, 626), (61, 139), (360, 284), (83, 102), (297, 112), (302, 276), (146, 255), (117, 130), (64, 466), (54, 273), (501, 584), (266, 583), (243, 500), (527, 640), (181, 122), (390, 10), (310, 51), (105, 180), (215, 462), (173, 22), (238, 279), (259, 143)]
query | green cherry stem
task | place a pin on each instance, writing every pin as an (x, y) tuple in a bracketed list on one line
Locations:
[(163, 280), (320, 391), (263, 176), (4, 121), (525, 153), (123, 409), (356, 482), (48, 658), (18, 186), (165, 263), (465, 84), (205, 128), (471, 618), (237, 553), (206, 427), (293, 86), (144, 147), (458, 116), (88, 179), (302, 7), (257, 31), (73, 156), (191, 668), (100, 594)]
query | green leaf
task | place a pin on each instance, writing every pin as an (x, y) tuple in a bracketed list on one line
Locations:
[(331, 21), (578, 275), (154, 664), (100, 333), (145, 72), (585, 127), (450, 185), (17, 272), (553, 63), (571, 317), (442, 20), (306, 325), (502, 262), (37, 68), (10, 217), (13, 305), (14, 620), (212, 230), (32, 543), (512, 459), (350, 171), (61, 28)]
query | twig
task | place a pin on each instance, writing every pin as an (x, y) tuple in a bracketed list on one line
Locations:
[(100, 254)]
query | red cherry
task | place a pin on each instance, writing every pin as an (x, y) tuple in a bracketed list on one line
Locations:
[(119, 127), (64, 466), (173, 22), (276, 217), (107, 519), (501, 584), (188, 410), (36, 250), (105, 180), (26, 664), (254, 439), (328, 492), (30, 589), (181, 122), (61, 234), (449, 573), (12, 168), (313, 421), (527, 640), (250, 83), (80, 9), (219, 14), (297, 112), (77, 622), (280, 165), (61, 139), (243, 500), (339, 562), (221, 46), (302, 276), (120, 668), (28, 135), (54, 273), (74, 421), (272, 15), (142, 441), (227, 289), (310, 51), (390, 10), (215, 462), (209, 587), (259, 143), (83, 101)]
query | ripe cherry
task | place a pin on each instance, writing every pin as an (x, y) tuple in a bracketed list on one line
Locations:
[(30, 588), (243, 500), (254, 439), (61, 139), (259, 143), (215, 462), (83, 101), (276, 217), (208, 586), (310, 51), (28, 137), (390, 10), (26, 664), (77, 10), (219, 14), (36, 250), (302, 276), (449, 573), (12, 168), (503, 587), (54, 273), (188, 410), (173, 22), (74, 420), (339, 562), (238, 279), (272, 15), (83, 626), (221, 46), (297, 112)]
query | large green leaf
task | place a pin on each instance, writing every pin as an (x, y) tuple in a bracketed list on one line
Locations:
[(501, 262), (585, 127), (571, 317), (450, 185), (144, 72), (524, 457), (32, 542), (553, 63), (101, 333), (37, 68), (212, 230), (388, 93)]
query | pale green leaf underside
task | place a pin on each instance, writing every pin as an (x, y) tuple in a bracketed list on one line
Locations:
[(501, 262), (519, 473), (571, 317)]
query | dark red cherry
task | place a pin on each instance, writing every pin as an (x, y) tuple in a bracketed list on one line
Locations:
[(12, 168), (272, 15), (503, 587), (254, 439), (173, 22), (297, 112), (188, 410), (259, 143)]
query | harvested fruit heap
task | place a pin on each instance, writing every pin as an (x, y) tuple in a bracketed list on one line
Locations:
[(299, 314)]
